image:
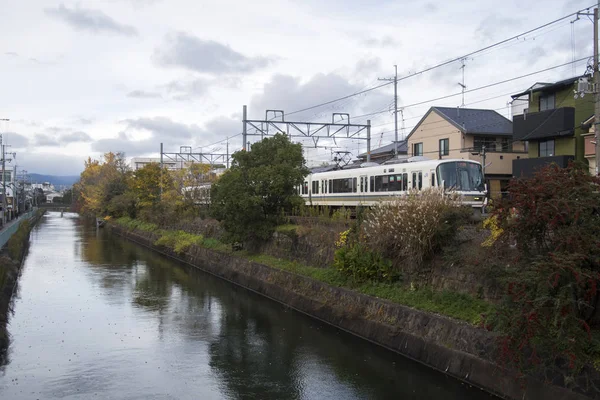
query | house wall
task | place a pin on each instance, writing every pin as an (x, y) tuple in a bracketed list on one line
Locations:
[(590, 150), (584, 109), (430, 131), (562, 147)]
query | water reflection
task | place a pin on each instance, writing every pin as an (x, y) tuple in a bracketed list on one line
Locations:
[(119, 321)]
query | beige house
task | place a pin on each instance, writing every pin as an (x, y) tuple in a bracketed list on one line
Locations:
[(589, 143), (467, 133)]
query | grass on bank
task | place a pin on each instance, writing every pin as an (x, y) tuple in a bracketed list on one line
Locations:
[(456, 305)]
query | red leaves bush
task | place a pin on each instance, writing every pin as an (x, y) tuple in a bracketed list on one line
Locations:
[(550, 315)]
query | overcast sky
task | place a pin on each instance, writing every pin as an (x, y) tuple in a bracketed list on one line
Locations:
[(79, 78)]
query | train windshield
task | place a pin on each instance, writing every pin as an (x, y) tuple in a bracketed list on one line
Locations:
[(462, 176)]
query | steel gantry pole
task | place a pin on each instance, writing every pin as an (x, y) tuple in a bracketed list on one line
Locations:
[(369, 140)]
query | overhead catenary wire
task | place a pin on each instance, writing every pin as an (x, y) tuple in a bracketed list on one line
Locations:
[(455, 59), (444, 63)]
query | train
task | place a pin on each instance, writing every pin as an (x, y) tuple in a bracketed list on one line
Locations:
[(372, 183)]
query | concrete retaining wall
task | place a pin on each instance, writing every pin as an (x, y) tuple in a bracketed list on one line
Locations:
[(455, 348)]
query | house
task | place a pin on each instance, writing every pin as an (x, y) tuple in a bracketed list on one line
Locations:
[(472, 134), (589, 145), (552, 124), (385, 153), (141, 162)]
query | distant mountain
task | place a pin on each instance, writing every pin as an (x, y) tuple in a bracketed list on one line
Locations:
[(55, 180)]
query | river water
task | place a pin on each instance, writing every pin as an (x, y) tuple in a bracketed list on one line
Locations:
[(99, 317)]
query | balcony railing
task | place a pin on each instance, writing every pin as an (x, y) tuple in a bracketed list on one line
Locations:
[(478, 150), (544, 124)]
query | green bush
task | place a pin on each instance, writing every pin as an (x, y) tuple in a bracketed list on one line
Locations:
[(362, 264), (136, 224), (179, 241), (18, 240)]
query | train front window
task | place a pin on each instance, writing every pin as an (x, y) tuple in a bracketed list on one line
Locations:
[(464, 176)]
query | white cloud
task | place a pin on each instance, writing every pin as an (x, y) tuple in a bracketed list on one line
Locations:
[(95, 21), (192, 53)]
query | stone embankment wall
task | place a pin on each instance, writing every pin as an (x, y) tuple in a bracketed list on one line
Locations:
[(452, 347), (9, 268)]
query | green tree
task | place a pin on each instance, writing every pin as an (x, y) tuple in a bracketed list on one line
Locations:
[(250, 198), (67, 197)]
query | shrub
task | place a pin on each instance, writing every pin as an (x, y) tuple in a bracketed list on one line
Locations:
[(411, 228), (361, 264), (550, 316), (178, 241)]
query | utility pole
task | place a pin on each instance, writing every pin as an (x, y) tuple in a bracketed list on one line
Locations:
[(3, 178), (597, 90), (483, 161), (3, 184), (462, 84), (395, 80), (244, 117), (227, 156)]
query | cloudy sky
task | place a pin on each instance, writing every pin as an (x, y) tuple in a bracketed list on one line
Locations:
[(79, 78)]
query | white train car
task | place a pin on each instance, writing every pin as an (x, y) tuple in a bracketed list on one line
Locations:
[(372, 183)]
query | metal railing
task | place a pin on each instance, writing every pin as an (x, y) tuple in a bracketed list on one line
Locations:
[(10, 229)]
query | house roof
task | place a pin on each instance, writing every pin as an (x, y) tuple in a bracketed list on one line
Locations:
[(472, 121), (388, 149), (548, 87)]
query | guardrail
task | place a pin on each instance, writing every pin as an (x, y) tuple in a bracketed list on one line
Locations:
[(7, 232)]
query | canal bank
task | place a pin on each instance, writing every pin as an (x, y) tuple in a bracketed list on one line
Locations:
[(452, 347), (97, 316), (14, 239)]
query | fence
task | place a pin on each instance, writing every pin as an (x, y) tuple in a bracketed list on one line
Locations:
[(13, 226)]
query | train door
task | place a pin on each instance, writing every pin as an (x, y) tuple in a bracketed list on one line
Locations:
[(432, 180), (363, 188)]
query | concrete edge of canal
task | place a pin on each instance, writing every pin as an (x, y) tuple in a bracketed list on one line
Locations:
[(449, 346), (10, 265)]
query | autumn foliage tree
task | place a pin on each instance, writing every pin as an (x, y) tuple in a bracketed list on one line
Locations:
[(550, 320), (100, 182)]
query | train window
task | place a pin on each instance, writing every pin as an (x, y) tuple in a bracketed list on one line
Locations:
[(433, 179), (315, 187), (342, 185), (362, 184), (354, 185), (382, 183), (414, 180), (305, 188), (372, 184), (330, 187), (420, 180)]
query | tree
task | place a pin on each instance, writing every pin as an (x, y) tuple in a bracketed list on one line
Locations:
[(251, 196), (39, 196), (148, 182), (67, 197), (100, 182), (550, 318)]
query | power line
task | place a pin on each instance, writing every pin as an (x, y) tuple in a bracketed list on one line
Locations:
[(482, 50)]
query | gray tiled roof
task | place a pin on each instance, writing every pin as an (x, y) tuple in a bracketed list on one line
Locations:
[(476, 121), (389, 149), (549, 87)]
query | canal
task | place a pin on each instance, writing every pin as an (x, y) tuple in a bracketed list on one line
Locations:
[(99, 317)]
